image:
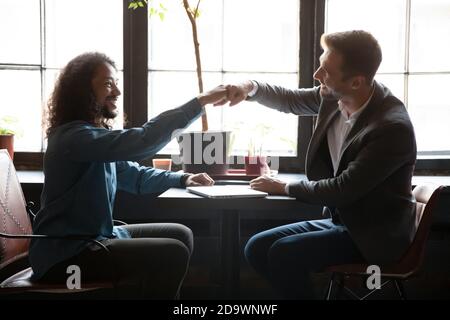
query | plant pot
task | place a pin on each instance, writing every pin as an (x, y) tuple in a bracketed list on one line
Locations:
[(7, 142), (205, 151), (256, 165)]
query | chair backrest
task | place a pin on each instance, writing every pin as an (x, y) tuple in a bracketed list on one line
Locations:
[(13, 214), (427, 197)]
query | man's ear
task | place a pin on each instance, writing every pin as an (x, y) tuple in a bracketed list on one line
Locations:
[(358, 82)]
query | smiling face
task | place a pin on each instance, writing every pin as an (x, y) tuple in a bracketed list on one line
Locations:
[(104, 85)]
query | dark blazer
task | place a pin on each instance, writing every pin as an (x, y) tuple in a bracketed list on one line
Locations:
[(371, 191)]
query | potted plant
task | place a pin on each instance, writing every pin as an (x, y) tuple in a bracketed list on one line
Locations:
[(205, 151), (256, 162), (7, 134)]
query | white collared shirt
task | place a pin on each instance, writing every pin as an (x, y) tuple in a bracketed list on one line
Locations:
[(339, 129), (255, 88)]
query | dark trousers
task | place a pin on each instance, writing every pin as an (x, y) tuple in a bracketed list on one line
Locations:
[(286, 255), (151, 265)]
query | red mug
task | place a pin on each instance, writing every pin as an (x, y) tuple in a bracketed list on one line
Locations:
[(255, 165)]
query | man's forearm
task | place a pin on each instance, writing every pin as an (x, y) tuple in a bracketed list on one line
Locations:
[(296, 101)]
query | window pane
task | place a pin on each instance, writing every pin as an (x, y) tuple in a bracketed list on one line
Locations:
[(169, 90), (26, 108), (75, 27), (430, 113), (170, 41), (430, 34), (51, 75), (20, 42), (224, 47), (118, 121), (395, 82), (249, 121), (270, 131), (387, 25), (261, 35)]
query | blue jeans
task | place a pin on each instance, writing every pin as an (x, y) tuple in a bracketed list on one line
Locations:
[(286, 255)]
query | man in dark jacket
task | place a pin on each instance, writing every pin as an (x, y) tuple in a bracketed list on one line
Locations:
[(359, 164)]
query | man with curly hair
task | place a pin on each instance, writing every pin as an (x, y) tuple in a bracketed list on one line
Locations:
[(86, 162)]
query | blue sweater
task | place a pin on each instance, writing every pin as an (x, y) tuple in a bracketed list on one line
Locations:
[(84, 166)]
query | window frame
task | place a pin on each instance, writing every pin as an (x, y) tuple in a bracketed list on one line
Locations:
[(135, 95), (25, 159), (428, 162), (135, 100), (311, 24)]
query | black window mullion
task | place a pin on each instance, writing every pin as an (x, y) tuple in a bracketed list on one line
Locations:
[(312, 23), (407, 46), (135, 66), (42, 69), (319, 29)]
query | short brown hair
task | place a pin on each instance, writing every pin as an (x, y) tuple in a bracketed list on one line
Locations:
[(360, 52)]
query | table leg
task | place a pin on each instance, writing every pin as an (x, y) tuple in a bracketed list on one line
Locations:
[(230, 254)]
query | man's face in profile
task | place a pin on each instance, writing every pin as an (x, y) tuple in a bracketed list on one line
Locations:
[(104, 85), (330, 76)]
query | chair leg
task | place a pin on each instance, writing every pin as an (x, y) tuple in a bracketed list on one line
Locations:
[(341, 286), (400, 289), (330, 287)]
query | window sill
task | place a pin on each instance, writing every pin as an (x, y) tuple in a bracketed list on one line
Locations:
[(429, 165), (29, 177), (433, 165)]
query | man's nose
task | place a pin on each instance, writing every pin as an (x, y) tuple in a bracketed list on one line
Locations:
[(117, 90), (317, 75)]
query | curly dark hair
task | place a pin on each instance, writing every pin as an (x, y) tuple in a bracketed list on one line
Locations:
[(73, 97)]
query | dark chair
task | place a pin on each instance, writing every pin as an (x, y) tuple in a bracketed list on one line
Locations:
[(427, 197), (15, 235)]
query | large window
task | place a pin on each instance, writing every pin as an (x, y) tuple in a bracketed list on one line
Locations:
[(38, 37), (413, 35), (239, 40), (249, 39)]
